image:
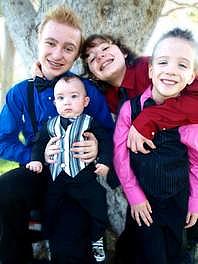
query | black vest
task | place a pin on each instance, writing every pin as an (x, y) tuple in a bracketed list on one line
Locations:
[(164, 171)]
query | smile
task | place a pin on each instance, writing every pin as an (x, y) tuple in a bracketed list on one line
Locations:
[(55, 64), (105, 64), (168, 82)]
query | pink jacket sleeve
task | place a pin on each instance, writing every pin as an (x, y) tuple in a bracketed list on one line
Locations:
[(129, 183), (189, 136)]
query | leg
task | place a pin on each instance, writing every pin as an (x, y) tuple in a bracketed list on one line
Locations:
[(92, 197), (124, 250), (68, 230), (174, 246), (151, 244), (20, 190)]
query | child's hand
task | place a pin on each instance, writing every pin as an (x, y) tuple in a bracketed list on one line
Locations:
[(101, 169), (142, 212), (191, 219), (35, 166), (136, 141)]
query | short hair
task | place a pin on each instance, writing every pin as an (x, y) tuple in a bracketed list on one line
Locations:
[(63, 15), (92, 41), (73, 77), (179, 33)]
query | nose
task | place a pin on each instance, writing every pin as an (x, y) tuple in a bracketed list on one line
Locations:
[(171, 69), (100, 55), (57, 53), (66, 101)]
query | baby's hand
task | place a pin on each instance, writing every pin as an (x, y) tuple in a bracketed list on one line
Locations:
[(101, 169), (35, 166)]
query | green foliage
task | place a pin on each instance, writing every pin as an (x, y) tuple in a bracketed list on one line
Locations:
[(7, 165), (193, 13)]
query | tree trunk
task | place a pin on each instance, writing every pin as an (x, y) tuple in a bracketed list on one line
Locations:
[(21, 20), (133, 19), (7, 65)]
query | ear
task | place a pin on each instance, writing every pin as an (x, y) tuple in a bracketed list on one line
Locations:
[(150, 71), (86, 101), (192, 78)]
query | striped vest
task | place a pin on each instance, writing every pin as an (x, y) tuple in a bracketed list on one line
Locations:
[(74, 132), (164, 171)]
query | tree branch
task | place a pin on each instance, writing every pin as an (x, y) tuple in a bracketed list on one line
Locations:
[(179, 6)]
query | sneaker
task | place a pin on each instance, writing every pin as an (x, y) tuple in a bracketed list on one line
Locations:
[(98, 250)]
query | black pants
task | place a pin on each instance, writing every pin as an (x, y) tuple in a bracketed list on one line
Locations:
[(20, 192), (159, 243), (86, 192)]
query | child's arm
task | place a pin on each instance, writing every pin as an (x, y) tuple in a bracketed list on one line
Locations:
[(189, 136), (192, 215), (174, 112), (140, 207), (35, 166)]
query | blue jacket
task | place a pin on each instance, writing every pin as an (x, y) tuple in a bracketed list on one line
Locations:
[(14, 118)]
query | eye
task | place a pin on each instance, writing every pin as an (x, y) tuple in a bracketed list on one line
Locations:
[(182, 65), (105, 48), (91, 59), (74, 96), (162, 62), (69, 49), (60, 98), (50, 43)]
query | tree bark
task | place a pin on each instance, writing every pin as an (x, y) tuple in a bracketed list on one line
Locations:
[(7, 62), (21, 20)]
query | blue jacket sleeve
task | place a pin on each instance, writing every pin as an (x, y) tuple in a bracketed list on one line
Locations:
[(11, 124), (98, 107)]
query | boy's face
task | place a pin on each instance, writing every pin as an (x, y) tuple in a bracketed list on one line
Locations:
[(106, 61), (59, 46), (70, 98), (172, 68)]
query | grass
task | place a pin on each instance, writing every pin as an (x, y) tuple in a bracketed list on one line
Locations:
[(6, 165)]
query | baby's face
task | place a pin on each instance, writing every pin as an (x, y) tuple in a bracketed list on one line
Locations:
[(70, 97)]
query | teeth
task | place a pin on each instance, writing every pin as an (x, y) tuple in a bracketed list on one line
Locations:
[(55, 64), (171, 82), (105, 64)]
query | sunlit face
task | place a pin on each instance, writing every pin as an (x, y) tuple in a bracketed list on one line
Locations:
[(172, 68), (59, 46), (70, 97), (106, 61)]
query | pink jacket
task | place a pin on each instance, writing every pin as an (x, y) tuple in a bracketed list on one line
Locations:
[(132, 190)]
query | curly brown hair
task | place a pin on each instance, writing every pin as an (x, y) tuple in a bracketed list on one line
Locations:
[(95, 40)]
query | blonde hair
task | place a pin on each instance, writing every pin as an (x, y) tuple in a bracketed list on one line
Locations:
[(63, 15), (183, 34)]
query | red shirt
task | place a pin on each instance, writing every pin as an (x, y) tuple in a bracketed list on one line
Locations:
[(135, 82), (174, 112)]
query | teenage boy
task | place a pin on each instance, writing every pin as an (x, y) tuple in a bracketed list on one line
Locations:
[(60, 39)]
